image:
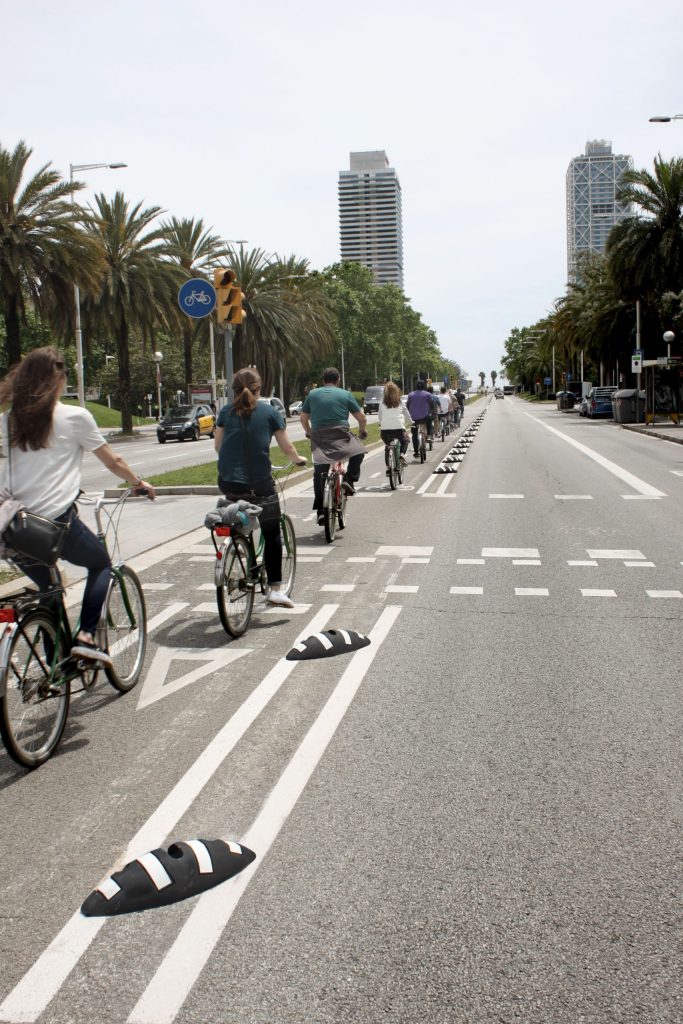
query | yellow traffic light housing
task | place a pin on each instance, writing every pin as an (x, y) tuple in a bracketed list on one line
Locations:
[(229, 297)]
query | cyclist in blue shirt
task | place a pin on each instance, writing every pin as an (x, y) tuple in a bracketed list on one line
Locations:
[(244, 430), (420, 407)]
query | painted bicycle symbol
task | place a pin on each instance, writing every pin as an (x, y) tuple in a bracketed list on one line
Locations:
[(195, 296)]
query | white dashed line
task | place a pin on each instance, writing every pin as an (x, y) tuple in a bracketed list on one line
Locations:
[(341, 588), (404, 551), (510, 553), (415, 561), (582, 561), (467, 590), (477, 561), (598, 593), (638, 565), (532, 592), (506, 495), (574, 497), (309, 558), (613, 553), (395, 589), (664, 593), (361, 558), (526, 561)]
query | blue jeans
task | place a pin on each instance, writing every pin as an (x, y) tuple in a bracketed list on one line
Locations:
[(81, 547)]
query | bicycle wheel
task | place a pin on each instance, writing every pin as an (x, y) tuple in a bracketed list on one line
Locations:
[(423, 450), (235, 595), (342, 498), (122, 629), (330, 507), (391, 467), (33, 712), (288, 554), (399, 464), (443, 430)]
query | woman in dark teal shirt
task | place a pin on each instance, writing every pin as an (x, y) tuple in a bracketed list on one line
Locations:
[(243, 434)]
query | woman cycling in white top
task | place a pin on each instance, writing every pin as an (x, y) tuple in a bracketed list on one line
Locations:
[(393, 419)]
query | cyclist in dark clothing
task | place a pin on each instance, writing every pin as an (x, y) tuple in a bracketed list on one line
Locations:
[(419, 404)]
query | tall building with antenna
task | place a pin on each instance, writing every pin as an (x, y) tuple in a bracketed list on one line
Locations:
[(592, 206), (370, 216)]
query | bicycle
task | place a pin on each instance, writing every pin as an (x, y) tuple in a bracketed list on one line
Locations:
[(334, 500), (392, 457), (422, 438), (240, 567), (36, 668)]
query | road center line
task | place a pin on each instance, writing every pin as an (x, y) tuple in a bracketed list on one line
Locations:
[(647, 490), (167, 991), (31, 995)]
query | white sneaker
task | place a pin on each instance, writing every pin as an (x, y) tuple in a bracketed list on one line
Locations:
[(278, 598)]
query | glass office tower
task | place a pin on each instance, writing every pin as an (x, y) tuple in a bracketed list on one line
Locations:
[(592, 207), (370, 221)]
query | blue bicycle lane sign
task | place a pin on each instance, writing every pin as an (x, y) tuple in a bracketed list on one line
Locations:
[(197, 297)]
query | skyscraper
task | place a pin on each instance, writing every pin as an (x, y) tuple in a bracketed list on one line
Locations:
[(592, 207), (370, 221)]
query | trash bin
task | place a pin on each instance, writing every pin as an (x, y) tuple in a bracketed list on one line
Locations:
[(565, 400), (624, 406)]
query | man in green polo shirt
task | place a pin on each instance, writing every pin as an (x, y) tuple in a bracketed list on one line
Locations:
[(325, 418)]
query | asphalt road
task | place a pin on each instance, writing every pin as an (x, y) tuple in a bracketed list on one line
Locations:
[(475, 819)]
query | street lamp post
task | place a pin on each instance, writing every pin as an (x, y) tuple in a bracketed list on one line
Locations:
[(669, 338), (157, 357), (77, 292)]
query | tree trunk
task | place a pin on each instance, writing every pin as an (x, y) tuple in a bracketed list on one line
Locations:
[(13, 342), (124, 377)]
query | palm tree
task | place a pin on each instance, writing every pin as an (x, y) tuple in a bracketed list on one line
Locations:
[(494, 377), (196, 252), (287, 319), (43, 250), (646, 253), (482, 378), (140, 283)]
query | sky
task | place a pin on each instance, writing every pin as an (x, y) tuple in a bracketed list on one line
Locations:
[(244, 114)]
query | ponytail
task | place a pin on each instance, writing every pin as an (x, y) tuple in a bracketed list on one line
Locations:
[(246, 384)]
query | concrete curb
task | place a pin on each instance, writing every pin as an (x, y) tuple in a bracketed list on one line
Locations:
[(655, 431)]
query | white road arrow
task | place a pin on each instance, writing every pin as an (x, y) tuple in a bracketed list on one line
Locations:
[(155, 686)]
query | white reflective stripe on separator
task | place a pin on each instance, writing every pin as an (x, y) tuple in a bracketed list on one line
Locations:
[(203, 855), (156, 870), (299, 647), (347, 638), (327, 644), (233, 846), (108, 888)]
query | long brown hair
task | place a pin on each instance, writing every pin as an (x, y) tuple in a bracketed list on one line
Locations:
[(32, 389), (392, 395), (245, 385)]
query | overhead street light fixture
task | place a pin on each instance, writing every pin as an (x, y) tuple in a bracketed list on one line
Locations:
[(77, 292), (660, 119)]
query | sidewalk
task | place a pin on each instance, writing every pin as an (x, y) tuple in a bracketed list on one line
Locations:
[(663, 431)]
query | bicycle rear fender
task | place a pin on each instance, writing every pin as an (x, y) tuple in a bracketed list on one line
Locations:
[(8, 631)]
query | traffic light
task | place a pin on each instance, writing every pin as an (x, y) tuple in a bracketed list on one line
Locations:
[(228, 297)]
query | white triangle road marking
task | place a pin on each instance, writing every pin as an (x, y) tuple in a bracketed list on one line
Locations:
[(155, 687)]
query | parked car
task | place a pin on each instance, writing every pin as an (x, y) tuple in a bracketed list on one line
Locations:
[(498, 393), (373, 398), (186, 423), (276, 404), (583, 406), (295, 408), (600, 402)]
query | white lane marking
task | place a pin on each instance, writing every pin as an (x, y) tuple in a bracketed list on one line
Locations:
[(182, 965), (532, 592), (404, 552), (646, 565), (398, 589), (204, 586), (471, 561), (613, 553), (445, 485), (642, 497), (383, 492), (206, 607), (510, 553), (676, 472), (506, 495), (362, 558), (342, 588), (272, 609), (466, 590), (157, 586), (212, 659), (526, 561), (425, 485), (664, 593), (303, 550), (623, 474), (439, 495), (582, 561), (415, 561), (598, 593), (31, 995), (309, 558), (574, 497)]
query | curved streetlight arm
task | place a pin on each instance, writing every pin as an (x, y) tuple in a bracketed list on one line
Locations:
[(663, 120)]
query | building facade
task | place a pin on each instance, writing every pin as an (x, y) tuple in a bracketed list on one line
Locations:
[(592, 207), (370, 216)]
